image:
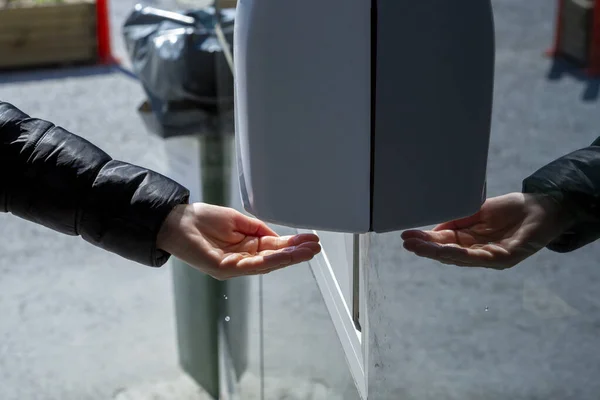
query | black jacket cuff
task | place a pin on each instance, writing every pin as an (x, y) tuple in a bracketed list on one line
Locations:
[(125, 210), (573, 182)]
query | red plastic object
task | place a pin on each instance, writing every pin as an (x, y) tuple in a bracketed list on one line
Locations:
[(593, 69), (105, 55), (552, 52)]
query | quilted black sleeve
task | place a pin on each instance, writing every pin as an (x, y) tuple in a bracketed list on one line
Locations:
[(573, 181), (57, 179)]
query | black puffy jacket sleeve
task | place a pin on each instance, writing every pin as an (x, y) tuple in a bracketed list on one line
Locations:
[(62, 181), (573, 181)]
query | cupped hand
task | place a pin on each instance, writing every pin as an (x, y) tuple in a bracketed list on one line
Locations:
[(507, 230), (225, 243)]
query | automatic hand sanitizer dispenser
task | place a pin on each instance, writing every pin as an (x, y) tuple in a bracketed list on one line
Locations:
[(363, 115)]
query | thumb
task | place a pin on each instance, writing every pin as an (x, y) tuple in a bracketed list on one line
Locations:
[(460, 223), (252, 226)]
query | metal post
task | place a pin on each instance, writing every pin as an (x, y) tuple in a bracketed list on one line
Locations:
[(198, 296), (212, 320)]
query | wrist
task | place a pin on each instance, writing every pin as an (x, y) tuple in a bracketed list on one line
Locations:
[(166, 238), (556, 213)]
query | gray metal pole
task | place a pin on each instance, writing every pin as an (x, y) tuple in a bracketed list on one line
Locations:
[(212, 320), (198, 297)]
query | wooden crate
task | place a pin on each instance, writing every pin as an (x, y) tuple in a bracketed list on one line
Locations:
[(226, 3), (59, 33)]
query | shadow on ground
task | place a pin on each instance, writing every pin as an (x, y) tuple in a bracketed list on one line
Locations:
[(562, 68), (54, 73)]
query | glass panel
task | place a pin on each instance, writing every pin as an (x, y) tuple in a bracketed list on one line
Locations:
[(303, 357), (531, 332), (339, 248), (241, 348), (241, 322)]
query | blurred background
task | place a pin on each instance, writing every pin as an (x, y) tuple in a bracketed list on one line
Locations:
[(77, 323)]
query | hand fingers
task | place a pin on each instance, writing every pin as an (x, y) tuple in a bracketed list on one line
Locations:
[(273, 260), (441, 237), (238, 264), (315, 247), (455, 255), (304, 238), (447, 236), (460, 223), (276, 243), (428, 249), (289, 255), (296, 256)]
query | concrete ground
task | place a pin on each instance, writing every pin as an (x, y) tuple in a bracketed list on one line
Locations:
[(80, 324)]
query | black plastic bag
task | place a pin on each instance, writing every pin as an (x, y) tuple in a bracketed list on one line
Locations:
[(180, 62)]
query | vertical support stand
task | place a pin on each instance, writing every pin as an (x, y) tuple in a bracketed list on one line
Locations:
[(199, 297), (196, 300), (212, 320), (215, 188)]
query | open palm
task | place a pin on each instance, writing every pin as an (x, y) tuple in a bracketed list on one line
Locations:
[(506, 230), (225, 243)]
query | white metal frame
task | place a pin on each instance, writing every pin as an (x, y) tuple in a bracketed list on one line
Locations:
[(341, 312)]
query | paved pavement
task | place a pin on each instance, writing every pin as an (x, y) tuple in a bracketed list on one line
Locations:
[(80, 324)]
